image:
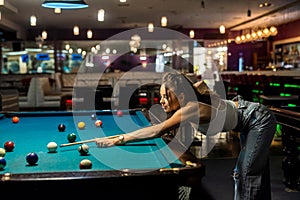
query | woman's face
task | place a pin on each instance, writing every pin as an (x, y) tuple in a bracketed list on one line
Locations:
[(168, 100)]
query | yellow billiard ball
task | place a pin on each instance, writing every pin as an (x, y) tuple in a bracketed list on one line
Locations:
[(81, 125), (2, 152)]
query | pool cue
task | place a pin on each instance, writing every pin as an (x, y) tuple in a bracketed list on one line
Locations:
[(154, 116), (86, 141), (109, 137)]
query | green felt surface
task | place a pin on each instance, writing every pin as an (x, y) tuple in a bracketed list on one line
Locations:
[(36, 129)]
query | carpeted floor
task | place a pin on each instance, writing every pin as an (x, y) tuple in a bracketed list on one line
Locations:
[(217, 184)]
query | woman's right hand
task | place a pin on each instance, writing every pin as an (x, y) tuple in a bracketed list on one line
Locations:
[(107, 142)]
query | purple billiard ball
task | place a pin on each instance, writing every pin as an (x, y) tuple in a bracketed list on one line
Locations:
[(32, 158)]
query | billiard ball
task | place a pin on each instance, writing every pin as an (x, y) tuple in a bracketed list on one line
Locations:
[(2, 152), (120, 113), (9, 146), (98, 123), (85, 164), (83, 149), (93, 116), (52, 147), (81, 125), (15, 119), (2, 163), (32, 158), (61, 127), (71, 137)]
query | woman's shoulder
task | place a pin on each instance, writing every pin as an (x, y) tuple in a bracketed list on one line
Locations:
[(197, 105)]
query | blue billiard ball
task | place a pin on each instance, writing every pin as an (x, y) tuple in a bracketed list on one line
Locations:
[(93, 116), (32, 158), (2, 163)]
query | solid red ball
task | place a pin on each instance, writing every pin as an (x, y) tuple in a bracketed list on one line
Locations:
[(15, 119), (9, 146)]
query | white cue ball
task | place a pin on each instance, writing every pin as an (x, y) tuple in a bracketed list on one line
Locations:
[(52, 147), (2, 152), (83, 149)]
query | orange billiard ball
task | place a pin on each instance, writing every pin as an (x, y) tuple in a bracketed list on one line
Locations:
[(15, 119)]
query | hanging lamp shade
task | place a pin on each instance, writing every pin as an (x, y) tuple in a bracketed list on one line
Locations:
[(65, 4)]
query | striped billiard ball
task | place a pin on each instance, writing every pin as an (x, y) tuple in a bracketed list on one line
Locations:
[(83, 149)]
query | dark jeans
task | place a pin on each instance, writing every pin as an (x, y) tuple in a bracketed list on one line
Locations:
[(257, 126)]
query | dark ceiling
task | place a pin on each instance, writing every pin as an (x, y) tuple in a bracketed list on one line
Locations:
[(187, 14)]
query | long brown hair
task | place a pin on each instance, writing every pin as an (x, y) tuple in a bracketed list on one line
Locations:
[(180, 83)]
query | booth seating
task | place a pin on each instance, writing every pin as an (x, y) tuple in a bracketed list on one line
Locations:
[(46, 97), (28, 101), (40, 96), (65, 82), (9, 100)]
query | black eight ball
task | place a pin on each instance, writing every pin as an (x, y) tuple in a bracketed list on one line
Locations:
[(61, 127)]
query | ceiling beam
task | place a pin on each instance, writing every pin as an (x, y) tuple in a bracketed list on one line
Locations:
[(8, 6)]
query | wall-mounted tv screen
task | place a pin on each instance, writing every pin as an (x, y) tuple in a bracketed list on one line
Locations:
[(76, 56), (42, 56), (25, 58)]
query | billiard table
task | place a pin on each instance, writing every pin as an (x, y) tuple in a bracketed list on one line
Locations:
[(141, 169)]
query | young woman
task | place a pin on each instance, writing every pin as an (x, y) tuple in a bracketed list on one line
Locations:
[(185, 102)]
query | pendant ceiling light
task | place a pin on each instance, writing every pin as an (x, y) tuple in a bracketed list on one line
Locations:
[(65, 4)]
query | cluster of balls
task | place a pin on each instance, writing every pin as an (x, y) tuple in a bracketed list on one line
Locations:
[(71, 136), (32, 157), (83, 149), (2, 159), (9, 146)]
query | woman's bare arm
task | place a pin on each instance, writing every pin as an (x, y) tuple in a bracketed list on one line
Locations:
[(192, 112)]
